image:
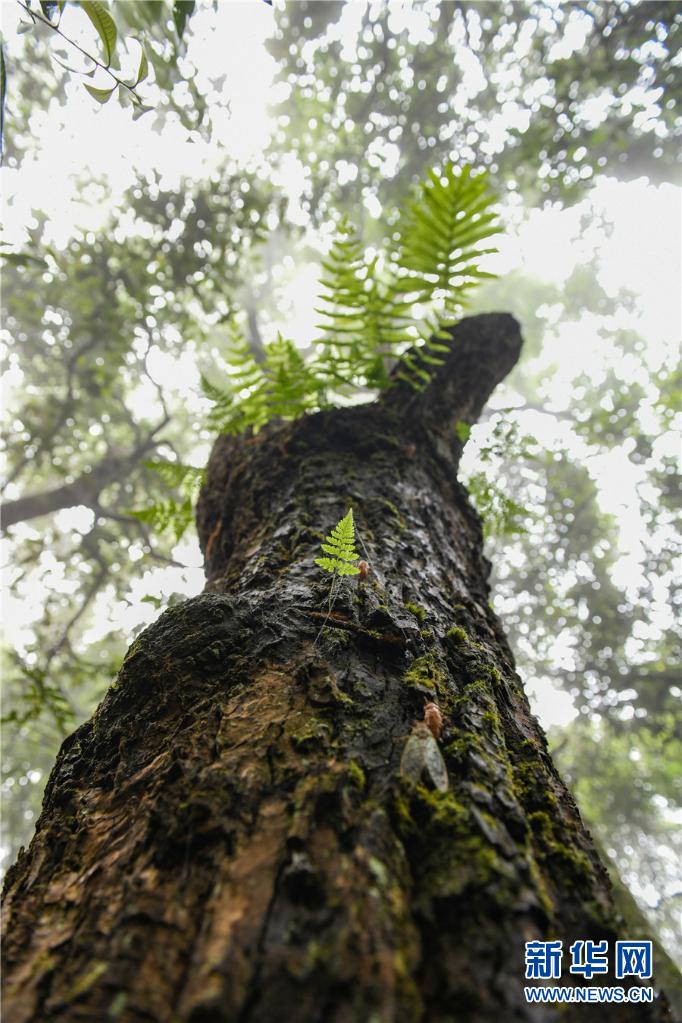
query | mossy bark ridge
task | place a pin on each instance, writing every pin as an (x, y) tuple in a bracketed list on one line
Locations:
[(230, 838)]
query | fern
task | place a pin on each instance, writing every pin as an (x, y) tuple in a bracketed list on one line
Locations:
[(282, 385), (365, 321), (171, 514), (292, 386), (367, 308), (187, 478), (440, 240), (240, 401), (340, 546)]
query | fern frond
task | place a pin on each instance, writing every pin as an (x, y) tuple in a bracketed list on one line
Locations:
[(292, 385), (174, 474), (365, 321), (366, 309), (283, 385), (171, 514), (440, 241), (175, 516), (240, 401), (340, 546)]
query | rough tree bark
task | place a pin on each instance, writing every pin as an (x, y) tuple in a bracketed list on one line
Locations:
[(230, 840)]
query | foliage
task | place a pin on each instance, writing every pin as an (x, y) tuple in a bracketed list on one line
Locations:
[(364, 318), (440, 241), (502, 515), (635, 814), (171, 514), (339, 545), (545, 96), (39, 695), (253, 392), (60, 20), (367, 304)]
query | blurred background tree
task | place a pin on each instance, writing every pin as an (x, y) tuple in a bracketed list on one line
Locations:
[(125, 258)]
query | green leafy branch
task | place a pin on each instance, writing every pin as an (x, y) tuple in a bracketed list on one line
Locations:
[(38, 695), (106, 29), (502, 515)]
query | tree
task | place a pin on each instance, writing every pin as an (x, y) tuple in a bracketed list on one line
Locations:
[(238, 833), (559, 570), (86, 327)]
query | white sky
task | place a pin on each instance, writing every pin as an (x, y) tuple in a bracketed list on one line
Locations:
[(85, 140)]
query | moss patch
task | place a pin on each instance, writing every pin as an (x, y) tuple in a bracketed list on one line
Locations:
[(449, 853), (457, 635), (418, 612), (357, 775), (424, 672)]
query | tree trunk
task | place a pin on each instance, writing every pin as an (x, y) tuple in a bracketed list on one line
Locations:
[(231, 838)]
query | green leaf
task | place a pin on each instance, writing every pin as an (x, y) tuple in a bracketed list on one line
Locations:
[(462, 430), (139, 109), (345, 569), (143, 69), (105, 25), (182, 12), (22, 259), (76, 70), (188, 478), (101, 95)]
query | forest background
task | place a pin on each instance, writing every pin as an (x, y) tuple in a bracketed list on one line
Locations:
[(136, 221)]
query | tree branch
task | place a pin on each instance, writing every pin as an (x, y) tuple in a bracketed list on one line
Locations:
[(83, 490), (483, 350)]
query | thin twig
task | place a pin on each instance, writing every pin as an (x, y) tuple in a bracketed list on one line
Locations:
[(55, 28)]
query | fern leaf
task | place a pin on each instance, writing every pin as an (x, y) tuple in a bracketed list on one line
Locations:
[(188, 478), (440, 240), (167, 515), (364, 319), (340, 545), (171, 514), (366, 310), (282, 385)]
